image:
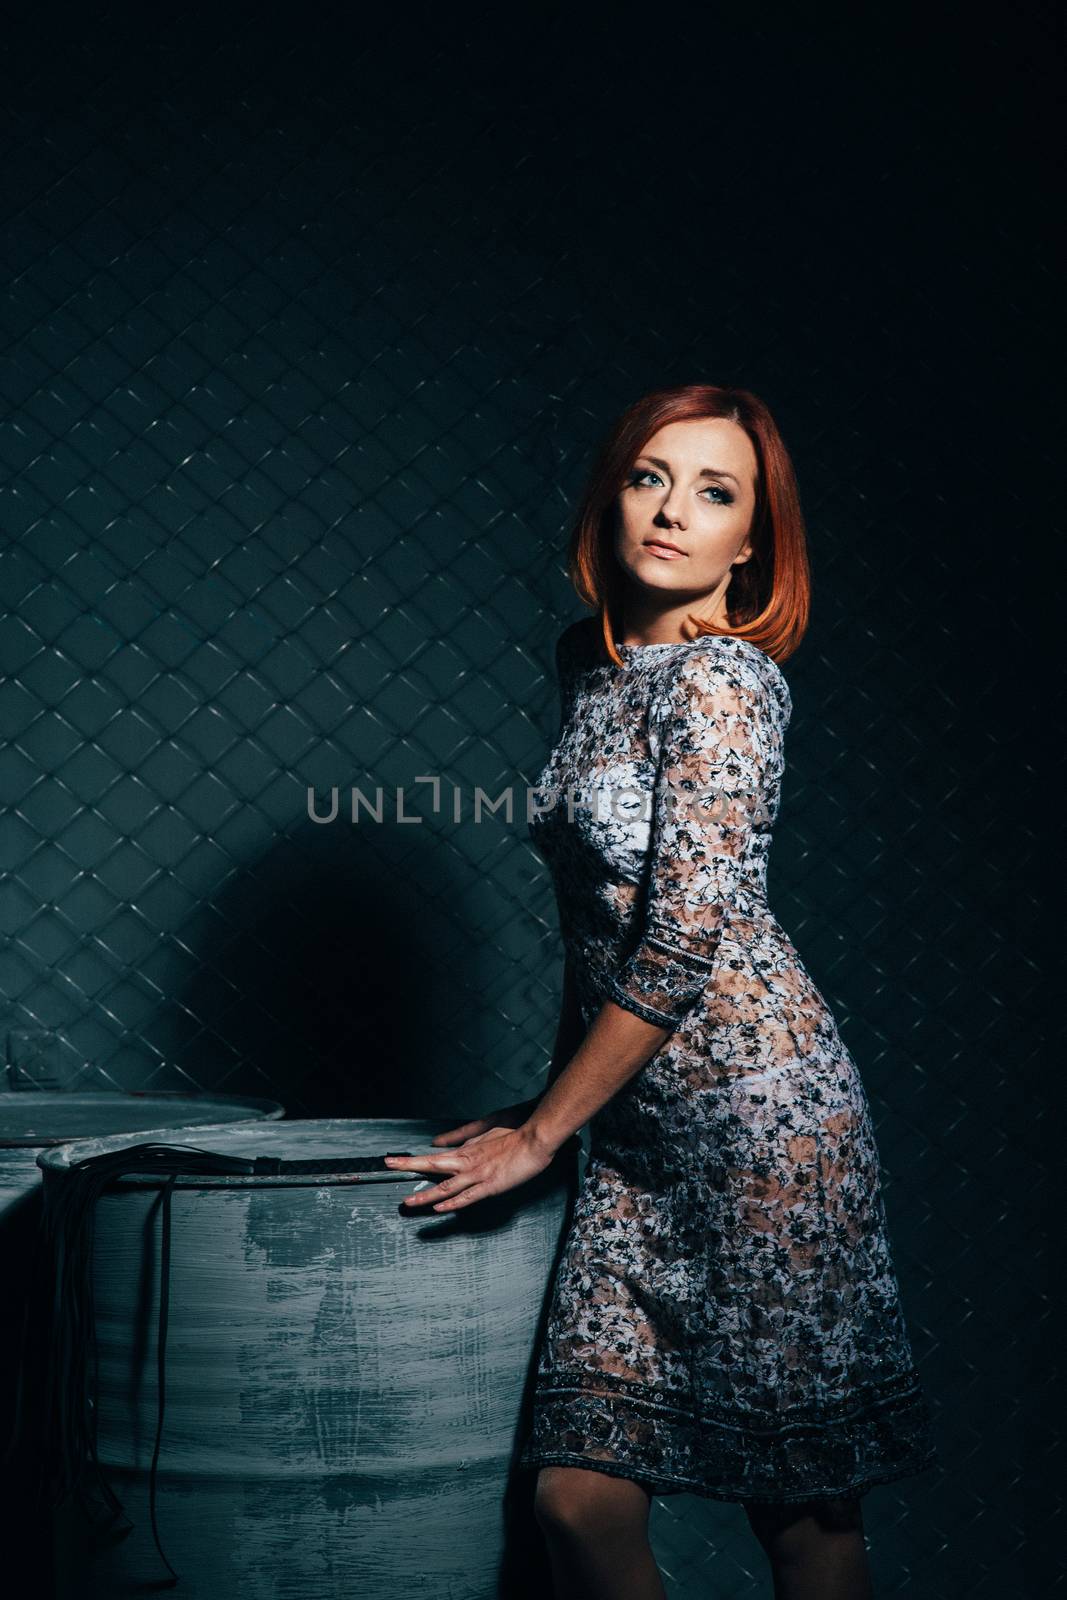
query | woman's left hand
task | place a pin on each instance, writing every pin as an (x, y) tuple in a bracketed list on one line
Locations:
[(491, 1164)]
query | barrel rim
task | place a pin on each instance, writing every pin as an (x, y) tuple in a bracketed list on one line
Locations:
[(271, 1111), (56, 1160)]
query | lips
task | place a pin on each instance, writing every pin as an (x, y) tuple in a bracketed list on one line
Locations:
[(663, 547)]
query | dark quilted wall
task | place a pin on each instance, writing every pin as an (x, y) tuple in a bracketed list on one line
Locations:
[(311, 322)]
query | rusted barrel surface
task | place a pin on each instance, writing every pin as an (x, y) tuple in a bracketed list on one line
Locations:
[(343, 1379), (29, 1122)]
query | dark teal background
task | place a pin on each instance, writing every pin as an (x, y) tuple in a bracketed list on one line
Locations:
[(312, 321)]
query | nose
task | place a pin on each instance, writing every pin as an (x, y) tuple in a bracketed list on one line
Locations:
[(670, 510)]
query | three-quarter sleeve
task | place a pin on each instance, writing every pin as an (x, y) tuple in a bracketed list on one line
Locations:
[(707, 801)]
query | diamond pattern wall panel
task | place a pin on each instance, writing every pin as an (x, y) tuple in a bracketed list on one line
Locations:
[(312, 323)]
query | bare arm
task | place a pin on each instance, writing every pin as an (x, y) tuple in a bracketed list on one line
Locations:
[(712, 750), (710, 736), (617, 1046)]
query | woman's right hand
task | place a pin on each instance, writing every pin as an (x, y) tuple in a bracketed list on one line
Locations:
[(512, 1116)]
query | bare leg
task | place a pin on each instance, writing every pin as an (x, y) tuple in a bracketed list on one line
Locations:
[(596, 1529), (816, 1549)]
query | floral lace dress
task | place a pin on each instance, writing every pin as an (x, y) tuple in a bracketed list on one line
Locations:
[(725, 1318)]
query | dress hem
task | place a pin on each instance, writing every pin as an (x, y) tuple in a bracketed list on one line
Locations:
[(665, 1483), (871, 1434)]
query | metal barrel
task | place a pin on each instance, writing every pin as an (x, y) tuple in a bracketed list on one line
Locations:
[(31, 1121), (345, 1381)]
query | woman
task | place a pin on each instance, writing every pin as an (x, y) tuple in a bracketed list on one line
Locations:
[(725, 1318)]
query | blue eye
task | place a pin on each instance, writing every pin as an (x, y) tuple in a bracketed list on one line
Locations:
[(714, 488)]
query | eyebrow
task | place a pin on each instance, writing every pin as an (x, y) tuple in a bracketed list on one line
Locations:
[(705, 472)]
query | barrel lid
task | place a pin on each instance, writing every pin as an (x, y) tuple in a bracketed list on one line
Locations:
[(52, 1117)]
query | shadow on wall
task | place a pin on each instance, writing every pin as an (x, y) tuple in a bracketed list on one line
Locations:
[(339, 974)]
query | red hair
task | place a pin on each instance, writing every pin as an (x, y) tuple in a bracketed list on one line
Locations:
[(769, 596)]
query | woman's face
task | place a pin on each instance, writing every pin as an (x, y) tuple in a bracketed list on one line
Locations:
[(694, 487)]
